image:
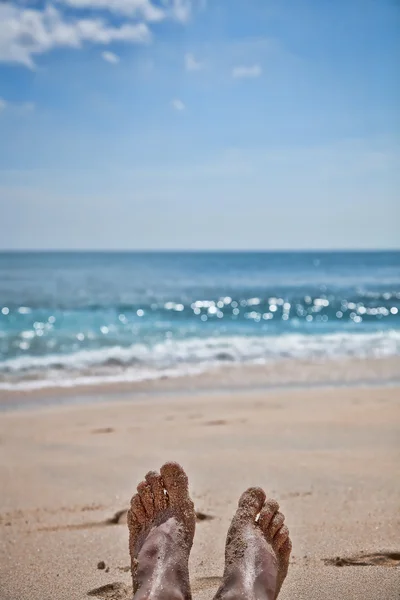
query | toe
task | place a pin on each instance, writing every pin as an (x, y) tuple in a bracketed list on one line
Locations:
[(155, 482), (276, 523), (135, 520), (267, 513), (280, 537), (251, 502), (133, 525), (137, 509), (134, 533), (286, 549), (146, 498), (176, 483)]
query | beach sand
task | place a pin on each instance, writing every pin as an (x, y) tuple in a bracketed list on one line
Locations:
[(330, 456)]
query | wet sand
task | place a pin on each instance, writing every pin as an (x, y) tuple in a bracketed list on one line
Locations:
[(329, 455), (226, 377)]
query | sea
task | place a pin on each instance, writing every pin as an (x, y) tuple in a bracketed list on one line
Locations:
[(85, 318)]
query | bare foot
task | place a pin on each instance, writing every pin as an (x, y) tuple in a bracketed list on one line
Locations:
[(257, 550), (161, 524)]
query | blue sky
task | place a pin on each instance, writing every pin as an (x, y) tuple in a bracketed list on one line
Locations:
[(199, 124)]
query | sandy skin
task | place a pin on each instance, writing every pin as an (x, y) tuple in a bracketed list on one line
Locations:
[(257, 550), (161, 524)]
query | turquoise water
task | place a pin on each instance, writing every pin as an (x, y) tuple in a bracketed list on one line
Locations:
[(76, 318)]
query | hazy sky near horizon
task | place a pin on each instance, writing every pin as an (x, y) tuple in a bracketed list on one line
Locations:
[(222, 124)]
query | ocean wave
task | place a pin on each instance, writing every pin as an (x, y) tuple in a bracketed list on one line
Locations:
[(175, 358)]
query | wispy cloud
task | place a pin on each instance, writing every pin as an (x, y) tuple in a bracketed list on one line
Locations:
[(21, 108), (180, 10), (25, 33), (242, 72), (143, 9), (178, 104), (191, 64), (110, 57)]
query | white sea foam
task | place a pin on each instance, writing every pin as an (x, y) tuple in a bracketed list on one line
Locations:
[(175, 358)]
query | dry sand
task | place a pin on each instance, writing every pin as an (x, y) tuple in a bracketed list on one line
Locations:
[(330, 456)]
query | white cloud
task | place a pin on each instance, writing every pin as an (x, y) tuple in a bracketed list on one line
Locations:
[(183, 10), (27, 32), (249, 72), (179, 10), (110, 57), (131, 8), (178, 104), (3, 104), (191, 64)]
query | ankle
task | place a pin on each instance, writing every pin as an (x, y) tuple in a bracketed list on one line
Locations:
[(164, 594), (234, 588), (239, 593), (236, 593), (169, 582)]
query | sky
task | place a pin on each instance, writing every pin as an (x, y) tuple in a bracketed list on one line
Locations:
[(199, 124)]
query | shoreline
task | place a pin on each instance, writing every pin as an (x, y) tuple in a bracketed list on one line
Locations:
[(288, 374)]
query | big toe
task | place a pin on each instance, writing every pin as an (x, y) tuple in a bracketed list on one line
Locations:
[(251, 503), (176, 484)]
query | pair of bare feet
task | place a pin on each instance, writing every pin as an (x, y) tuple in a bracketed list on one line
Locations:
[(161, 524)]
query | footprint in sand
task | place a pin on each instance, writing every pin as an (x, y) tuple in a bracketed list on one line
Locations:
[(120, 517), (112, 591), (104, 430), (376, 559), (203, 516)]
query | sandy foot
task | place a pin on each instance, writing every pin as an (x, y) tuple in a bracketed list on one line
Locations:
[(257, 550), (161, 523)]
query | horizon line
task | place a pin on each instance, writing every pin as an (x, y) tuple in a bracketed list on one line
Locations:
[(193, 250)]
